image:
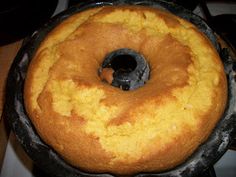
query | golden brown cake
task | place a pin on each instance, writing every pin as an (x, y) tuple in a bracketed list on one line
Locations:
[(101, 128)]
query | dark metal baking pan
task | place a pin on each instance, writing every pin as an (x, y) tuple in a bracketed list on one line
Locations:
[(203, 158)]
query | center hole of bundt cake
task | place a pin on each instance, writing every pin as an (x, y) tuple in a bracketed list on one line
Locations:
[(124, 68), (123, 63)]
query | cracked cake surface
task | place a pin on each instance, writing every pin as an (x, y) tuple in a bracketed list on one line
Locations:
[(100, 128)]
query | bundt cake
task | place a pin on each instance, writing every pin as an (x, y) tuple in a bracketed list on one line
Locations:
[(98, 127)]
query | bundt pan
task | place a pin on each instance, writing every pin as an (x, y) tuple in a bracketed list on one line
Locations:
[(47, 159)]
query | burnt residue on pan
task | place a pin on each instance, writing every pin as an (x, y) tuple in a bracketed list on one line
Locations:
[(204, 157)]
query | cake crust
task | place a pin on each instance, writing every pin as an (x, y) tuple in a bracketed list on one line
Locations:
[(100, 128)]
